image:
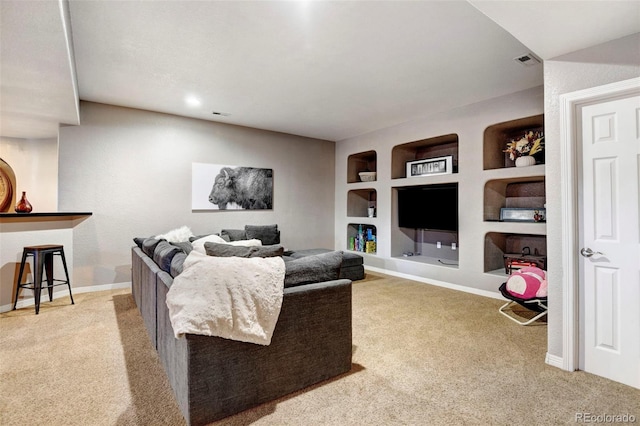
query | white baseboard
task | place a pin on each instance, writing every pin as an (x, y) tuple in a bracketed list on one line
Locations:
[(76, 290), (554, 360), (102, 287), (476, 291)]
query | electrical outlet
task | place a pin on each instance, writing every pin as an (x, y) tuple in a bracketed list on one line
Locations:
[(453, 246), (438, 244)]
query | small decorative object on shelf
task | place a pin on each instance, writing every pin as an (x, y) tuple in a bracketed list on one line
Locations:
[(523, 150), (430, 166), (364, 240), (522, 214), (525, 161), (352, 243), (370, 247), (360, 239), (24, 206), (367, 176), (370, 244), (538, 216)]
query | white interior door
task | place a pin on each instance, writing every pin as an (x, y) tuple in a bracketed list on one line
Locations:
[(610, 240)]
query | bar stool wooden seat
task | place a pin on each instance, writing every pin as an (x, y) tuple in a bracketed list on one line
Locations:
[(42, 262)]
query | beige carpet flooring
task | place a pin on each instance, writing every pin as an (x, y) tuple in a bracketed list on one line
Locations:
[(422, 355)]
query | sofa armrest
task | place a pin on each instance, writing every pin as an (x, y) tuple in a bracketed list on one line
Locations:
[(143, 286), (316, 286), (311, 342)]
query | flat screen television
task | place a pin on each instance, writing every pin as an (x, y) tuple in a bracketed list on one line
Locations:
[(432, 207)]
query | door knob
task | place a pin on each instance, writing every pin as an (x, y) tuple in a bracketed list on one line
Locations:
[(587, 252)]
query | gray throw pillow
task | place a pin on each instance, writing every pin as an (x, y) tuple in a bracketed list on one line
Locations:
[(273, 250), (177, 263), (149, 246), (226, 250), (185, 246), (163, 254), (313, 269), (233, 234), (268, 234), (139, 241)]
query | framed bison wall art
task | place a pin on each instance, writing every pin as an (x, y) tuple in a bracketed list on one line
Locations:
[(222, 187)]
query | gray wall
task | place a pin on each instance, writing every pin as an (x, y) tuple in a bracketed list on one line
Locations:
[(132, 169), (469, 123), (607, 63), (35, 164)]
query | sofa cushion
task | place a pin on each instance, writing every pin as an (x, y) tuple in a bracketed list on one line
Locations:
[(177, 263), (348, 259), (139, 241), (351, 259), (233, 234), (313, 269), (149, 246), (164, 253), (228, 250), (268, 234)]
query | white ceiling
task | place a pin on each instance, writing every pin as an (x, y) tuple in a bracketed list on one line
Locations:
[(554, 28), (38, 85), (323, 69)]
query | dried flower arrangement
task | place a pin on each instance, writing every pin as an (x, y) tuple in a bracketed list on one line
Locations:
[(530, 144)]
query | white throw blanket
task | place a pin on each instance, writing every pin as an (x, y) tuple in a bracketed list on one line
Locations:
[(230, 297)]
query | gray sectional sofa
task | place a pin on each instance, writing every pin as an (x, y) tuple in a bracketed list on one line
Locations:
[(213, 377)]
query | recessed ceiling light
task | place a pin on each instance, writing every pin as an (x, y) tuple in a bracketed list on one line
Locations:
[(192, 101)]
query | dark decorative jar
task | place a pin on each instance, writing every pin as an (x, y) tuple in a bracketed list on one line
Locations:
[(24, 206)]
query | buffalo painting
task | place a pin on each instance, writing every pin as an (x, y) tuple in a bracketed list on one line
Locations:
[(231, 187)]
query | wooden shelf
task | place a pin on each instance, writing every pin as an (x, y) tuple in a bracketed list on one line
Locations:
[(511, 187), (526, 192), (439, 146), (352, 232), (498, 135), (359, 201), (497, 244), (360, 162), (43, 216), (425, 180)]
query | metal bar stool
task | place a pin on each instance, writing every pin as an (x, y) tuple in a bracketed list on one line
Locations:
[(42, 262)]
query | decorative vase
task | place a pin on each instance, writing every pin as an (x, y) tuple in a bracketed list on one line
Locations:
[(24, 206), (525, 160)]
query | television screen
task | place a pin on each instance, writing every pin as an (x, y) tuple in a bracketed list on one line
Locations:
[(433, 207)]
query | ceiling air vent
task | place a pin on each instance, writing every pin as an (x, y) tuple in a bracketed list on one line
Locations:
[(527, 60)]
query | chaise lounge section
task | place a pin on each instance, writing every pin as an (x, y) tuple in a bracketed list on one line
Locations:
[(352, 267)]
